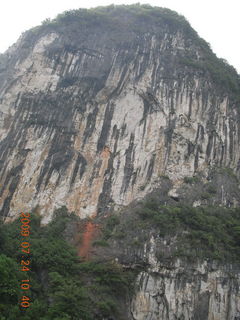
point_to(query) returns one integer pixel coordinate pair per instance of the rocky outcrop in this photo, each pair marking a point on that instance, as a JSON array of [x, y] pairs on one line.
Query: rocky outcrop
[[95, 124], [174, 278], [99, 109], [202, 292], [186, 290]]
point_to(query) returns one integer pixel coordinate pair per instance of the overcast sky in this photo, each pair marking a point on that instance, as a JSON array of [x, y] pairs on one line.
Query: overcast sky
[[217, 21]]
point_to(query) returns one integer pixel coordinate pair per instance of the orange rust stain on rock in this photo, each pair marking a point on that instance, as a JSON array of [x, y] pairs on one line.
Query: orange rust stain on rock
[[105, 152], [89, 234], [87, 196]]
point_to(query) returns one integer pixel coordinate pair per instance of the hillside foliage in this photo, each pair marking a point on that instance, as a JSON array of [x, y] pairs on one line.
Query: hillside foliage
[[62, 286], [123, 23]]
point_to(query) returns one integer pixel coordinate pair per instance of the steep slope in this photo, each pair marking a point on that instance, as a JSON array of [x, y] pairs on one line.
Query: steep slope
[[124, 115], [97, 106], [186, 260], [148, 262]]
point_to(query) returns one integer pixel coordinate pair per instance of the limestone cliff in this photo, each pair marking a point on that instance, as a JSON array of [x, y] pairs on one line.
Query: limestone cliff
[[96, 106], [100, 108], [199, 292], [182, 257]]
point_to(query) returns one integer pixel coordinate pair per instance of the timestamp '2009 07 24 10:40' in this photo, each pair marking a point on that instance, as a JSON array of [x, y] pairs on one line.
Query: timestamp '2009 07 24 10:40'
[[25, 259]]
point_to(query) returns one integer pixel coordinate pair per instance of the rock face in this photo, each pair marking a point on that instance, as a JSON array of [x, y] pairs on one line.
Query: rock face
[[92, 122], [180, 290], [169, 285], [97, 108], [182, 293]]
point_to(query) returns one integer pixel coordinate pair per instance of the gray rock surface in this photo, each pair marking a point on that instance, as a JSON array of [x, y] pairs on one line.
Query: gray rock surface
[[96, 124], [97, 117]]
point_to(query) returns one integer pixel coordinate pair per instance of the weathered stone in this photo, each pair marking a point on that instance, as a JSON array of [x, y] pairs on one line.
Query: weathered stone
[[69, 104], [97, 117]]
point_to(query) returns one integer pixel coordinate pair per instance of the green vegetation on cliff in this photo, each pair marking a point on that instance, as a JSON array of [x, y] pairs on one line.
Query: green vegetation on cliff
[[62, 286], [202, 232], [123, 24], [211, 233]]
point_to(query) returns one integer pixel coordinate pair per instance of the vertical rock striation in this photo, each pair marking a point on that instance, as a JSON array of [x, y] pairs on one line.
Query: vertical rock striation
[[95, 109], [99, 108]]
